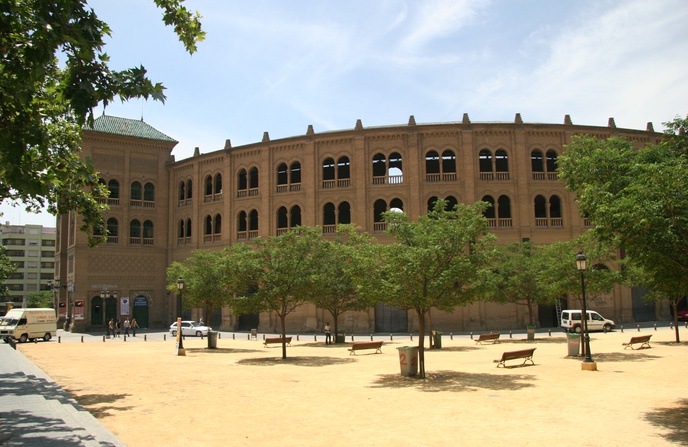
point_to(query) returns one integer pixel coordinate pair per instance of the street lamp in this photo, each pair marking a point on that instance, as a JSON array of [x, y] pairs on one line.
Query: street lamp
[[180, 337], [104, 294], [588, 363]]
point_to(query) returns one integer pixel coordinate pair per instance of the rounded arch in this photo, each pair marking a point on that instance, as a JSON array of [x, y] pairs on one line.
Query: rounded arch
[[217, 186], [136, 191], [344, 213], [485, 160], [329, 214], [328, 169], [208, 185], [282, 174], [343, 168], [379, 165], [501, 161], [490, 212], [448, 161], [113, 186], [536, 161], [149, 192], [217, 224], [242, 180], [432, 162]]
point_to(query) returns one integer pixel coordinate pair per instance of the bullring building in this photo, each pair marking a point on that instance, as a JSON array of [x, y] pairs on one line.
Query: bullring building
[[162, 209]]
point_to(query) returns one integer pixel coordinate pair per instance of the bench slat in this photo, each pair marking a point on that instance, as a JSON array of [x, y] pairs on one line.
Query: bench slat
[[525, 354]]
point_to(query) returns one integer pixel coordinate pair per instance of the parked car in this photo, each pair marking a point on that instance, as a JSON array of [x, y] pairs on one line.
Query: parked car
[[682, 315], [190, 328], [571, 321]]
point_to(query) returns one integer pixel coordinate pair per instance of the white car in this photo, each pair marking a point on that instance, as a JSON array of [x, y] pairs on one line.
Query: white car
[[190, 328], [571, 321]]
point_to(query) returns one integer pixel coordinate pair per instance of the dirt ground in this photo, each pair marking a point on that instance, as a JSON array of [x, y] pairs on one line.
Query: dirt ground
[[244, 394]]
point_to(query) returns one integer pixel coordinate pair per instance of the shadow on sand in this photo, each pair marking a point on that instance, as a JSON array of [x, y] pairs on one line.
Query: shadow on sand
[[673, 419], [456, 381], [296, 361]]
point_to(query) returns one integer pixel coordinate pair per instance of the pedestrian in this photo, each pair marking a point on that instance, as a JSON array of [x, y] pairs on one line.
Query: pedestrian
[[134, 326], [118, 326], [328, 334], [200, 321], [111, 328], [126, 327]]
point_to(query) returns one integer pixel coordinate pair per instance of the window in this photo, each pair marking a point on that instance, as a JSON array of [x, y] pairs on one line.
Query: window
[[136, 191], [149, 192], [113, 186], [112, 227]]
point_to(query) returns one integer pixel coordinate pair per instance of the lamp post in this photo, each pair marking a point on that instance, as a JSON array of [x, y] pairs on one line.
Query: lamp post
[[103, 296], [180, 338], [588, 363], [54, 285]]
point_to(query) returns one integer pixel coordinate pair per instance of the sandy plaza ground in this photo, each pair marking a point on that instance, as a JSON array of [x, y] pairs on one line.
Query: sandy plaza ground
[[244, 394]]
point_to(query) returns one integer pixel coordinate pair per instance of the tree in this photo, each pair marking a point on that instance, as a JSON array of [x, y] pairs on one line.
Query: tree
[[280, 274], [40, 299], [53, 73], [517, 277], [6, 267], [342, 263], [205, 283], [433, 263], [637, 199]]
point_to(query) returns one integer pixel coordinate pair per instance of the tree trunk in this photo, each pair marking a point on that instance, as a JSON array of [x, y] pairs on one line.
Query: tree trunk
[[676, 331], [283, 322], [421, 344]]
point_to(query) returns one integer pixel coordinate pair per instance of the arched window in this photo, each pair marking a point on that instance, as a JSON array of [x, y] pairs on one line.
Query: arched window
[[502, 164], [395, 173], [540, 211], [537, 165], [552, 164], [282, 174], [253, 223], [112, 228], [242, 223], [189, 189], [554, 207], [147, 232], [180, 232], [295, 173], [328, 172], [379, 207], [343, 169], [282, 219], [149, 192], [242, 180], [431, 203], [217, 224], [329, 216], [396, 203], [432, 166], [208, 185], [485, 162], [135, 232], [451, 203], [490, 213], [379, 169], [208, 227], [113, 186], [448, 162], [188, 228], [344, 213], [295, 216], [136, 191], [218, 184], [504, 208], [182, 190], [253, 178]]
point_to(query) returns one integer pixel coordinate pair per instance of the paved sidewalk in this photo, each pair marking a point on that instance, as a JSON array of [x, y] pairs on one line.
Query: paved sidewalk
[[35, 411]]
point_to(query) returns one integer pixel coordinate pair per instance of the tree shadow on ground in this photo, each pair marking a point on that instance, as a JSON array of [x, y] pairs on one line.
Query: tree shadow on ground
[[673, 419], [93, 403], [296, 361], [622, 356], [221, 351], [453, 349], [456, 381]]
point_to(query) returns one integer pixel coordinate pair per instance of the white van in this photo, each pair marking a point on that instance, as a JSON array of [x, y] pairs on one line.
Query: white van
[[571, 321], [28, 324]]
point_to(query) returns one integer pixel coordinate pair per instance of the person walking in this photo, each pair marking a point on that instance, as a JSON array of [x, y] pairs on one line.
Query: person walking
[[134, 326], [118, 326], [126, 327], [111, 328], [328, 334]]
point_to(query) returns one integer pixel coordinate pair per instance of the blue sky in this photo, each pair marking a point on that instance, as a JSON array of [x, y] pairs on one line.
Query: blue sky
[[278, 66]]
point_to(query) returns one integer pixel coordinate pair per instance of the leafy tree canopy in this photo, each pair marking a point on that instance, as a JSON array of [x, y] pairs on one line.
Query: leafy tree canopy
[[53, 73]]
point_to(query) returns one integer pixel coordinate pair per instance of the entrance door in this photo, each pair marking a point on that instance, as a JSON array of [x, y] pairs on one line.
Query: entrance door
[[390, 318], [248, 322], [141, 311], [96, 311]]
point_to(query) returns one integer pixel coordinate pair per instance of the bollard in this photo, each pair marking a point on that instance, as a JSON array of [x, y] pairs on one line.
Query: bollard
[[233, 336], [638, 326], [248, 336], [82, 339], [201, 336], [103, 339], [550, 332], [263, 337], [451, 336], [59, 339], [371, 337], [671, 326], [145, 337], [411, 335], [35, 340], [164, 337], [656, 326], [622, 329], [219, 335], [391, 338], [125, 338], [604, 329], [471, 335], [510, 335]]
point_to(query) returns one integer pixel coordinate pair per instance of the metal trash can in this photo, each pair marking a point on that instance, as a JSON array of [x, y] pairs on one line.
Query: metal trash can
[[340, 337], [437, 339], [573, 342], [531, 331], [212, 339], [408, 360]]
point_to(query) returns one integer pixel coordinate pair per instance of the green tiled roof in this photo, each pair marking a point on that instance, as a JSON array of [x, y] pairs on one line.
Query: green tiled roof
[[128, 127]]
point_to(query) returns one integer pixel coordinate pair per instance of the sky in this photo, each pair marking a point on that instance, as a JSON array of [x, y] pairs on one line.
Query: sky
[[276, 66]]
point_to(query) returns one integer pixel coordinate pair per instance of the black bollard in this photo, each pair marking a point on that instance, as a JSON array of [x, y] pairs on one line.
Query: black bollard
[[622, 329], [451, 336], [59, 339], [638, 326], [471, 335], [164, 337], [103, 339], [411, 335], [371, 337], [510, 335], [391, 338], [82, 339], [145, 337], [550, 332]]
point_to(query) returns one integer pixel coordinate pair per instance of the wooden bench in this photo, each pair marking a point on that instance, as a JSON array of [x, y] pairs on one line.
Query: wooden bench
[[377, 345], [274, 340], [525, 354], [493, 337], [644, 341]]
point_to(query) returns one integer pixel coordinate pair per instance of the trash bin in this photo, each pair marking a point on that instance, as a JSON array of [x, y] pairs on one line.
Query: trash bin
[[340, 336], [573, 341], [437, 339], [531, 332], [408, 360], [212, 339]]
